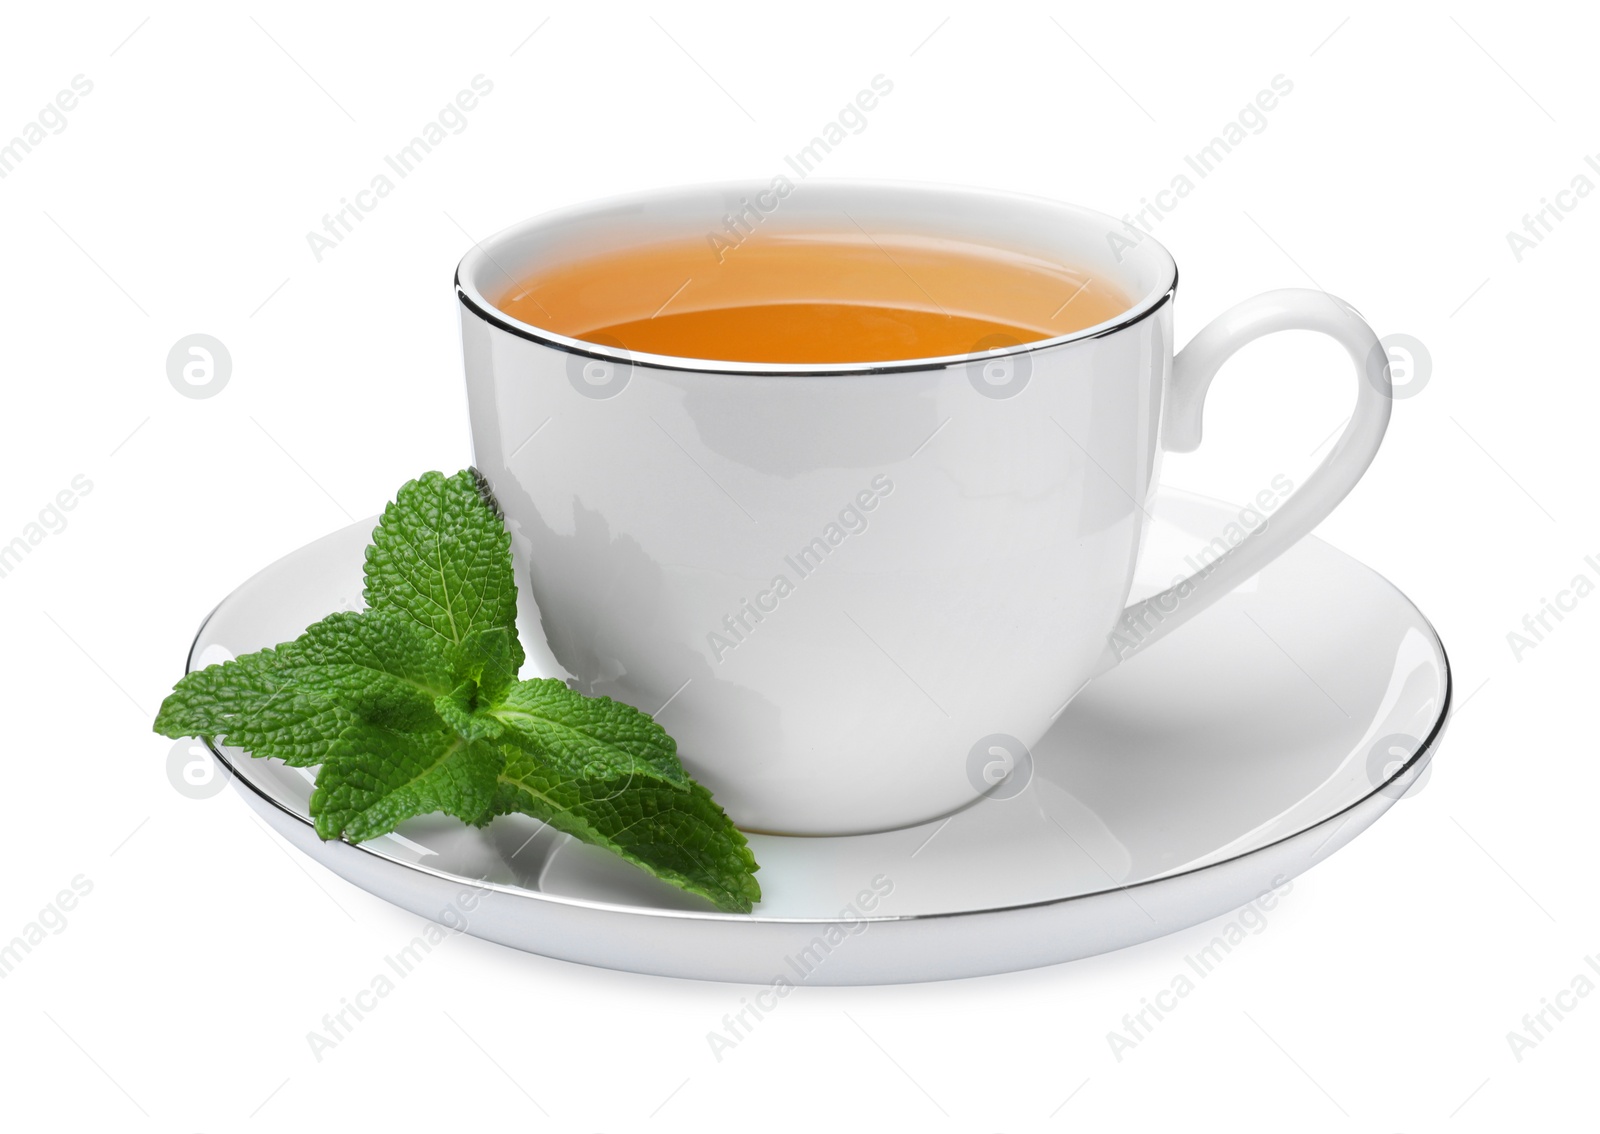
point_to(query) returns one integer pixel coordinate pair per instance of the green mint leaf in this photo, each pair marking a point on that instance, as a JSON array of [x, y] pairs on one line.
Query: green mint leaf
[[244, 703], [293, 701], [441, 556], [489, 659], [594, 737], [375, 778], [678, 835], [458, 709], [413, 707]]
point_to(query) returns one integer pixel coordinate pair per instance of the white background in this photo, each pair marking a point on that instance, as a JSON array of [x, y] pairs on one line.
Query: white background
[[177, 200]]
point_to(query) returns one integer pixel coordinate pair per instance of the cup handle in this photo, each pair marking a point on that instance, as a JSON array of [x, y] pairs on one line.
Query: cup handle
[[1292, 309]]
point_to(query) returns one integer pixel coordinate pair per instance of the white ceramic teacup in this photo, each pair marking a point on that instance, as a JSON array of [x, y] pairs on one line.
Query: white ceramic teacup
[[853, 593]]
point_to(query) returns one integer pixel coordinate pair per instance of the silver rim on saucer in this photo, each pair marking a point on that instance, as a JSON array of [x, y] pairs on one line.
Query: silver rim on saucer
[[554, 897]]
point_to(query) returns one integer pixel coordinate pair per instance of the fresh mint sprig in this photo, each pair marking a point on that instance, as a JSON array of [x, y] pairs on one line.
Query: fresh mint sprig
[[413, 706]]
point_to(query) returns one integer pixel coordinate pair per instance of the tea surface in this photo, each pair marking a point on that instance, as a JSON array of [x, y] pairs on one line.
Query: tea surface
[[808, 298]]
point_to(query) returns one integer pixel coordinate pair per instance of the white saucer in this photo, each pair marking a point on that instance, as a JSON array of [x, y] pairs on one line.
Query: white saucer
[[1244, 749]]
